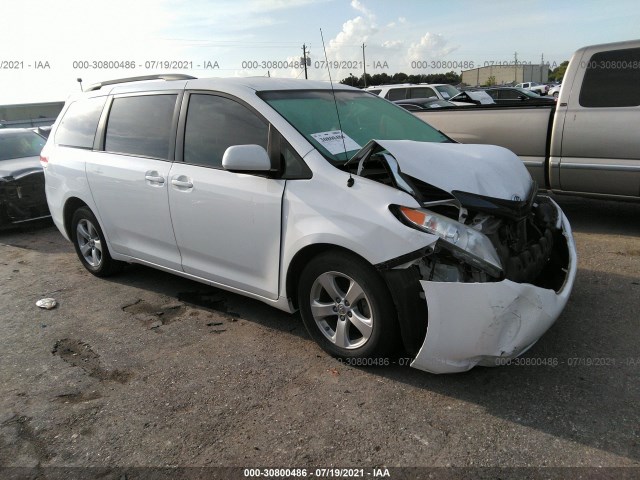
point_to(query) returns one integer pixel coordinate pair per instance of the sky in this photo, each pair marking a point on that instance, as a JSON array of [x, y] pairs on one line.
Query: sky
[[47, 45]]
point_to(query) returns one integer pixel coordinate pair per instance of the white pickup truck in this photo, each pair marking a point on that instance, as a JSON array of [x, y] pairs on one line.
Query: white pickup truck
[[587, 144], [539, 88]]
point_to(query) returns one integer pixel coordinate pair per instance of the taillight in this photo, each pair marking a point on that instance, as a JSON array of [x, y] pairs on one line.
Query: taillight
[[44, 161]]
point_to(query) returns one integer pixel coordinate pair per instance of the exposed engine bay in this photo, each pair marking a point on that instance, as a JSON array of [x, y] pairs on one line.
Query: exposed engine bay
[[523, 229]]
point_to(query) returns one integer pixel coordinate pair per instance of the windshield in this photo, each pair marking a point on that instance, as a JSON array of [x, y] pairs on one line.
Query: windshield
[[20, 144], [363, 117], [447, 91]]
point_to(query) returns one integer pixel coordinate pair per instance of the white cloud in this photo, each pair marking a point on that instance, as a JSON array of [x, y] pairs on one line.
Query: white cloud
[[431, 46], [357, 5], [392, 43], [356, 31], [270, 5]]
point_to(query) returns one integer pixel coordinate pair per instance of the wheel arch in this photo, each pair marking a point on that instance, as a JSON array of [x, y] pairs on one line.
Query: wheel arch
[[71, 205], [403, 287], [301, 258]]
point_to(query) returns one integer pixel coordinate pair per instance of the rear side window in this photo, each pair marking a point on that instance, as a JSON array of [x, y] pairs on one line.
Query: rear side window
[[396, 94], [215, 124], [612, 79], [422, 92], [510, 94], [141, 125], [80, 122]]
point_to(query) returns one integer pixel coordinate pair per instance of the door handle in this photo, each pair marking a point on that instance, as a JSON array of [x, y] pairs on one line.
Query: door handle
[[182, 183], [154, 177]]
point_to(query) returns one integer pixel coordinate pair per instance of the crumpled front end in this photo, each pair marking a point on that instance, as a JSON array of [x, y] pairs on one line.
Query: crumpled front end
[[485, 323], [502, 260], [22, 198]]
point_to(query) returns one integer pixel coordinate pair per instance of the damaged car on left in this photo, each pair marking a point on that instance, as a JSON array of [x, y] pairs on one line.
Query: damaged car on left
[[22, 196]]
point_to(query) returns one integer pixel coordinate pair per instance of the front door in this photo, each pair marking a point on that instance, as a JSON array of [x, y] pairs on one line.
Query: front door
[[227, 225]]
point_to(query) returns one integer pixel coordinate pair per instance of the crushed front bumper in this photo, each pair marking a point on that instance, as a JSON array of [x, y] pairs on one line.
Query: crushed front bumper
[[473, 324]]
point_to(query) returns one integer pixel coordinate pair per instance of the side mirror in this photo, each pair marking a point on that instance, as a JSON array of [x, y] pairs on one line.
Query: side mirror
[[246, 158]]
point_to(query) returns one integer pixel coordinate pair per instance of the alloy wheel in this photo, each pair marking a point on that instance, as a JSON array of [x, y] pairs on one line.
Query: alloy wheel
[[341, 309], [89, 243]]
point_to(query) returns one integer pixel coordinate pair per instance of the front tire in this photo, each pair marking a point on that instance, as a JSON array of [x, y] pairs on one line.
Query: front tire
[[90, 244], [346, 307]]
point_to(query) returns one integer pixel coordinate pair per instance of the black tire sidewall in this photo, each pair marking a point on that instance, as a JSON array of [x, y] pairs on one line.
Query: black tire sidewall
[[384, 335]]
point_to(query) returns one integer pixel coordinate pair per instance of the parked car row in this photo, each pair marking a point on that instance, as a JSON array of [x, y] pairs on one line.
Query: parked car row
[[407, 95], [516, 96], [403, 91], [539, 88]]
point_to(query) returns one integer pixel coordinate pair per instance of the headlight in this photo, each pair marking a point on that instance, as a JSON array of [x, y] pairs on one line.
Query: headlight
[[466, 242]]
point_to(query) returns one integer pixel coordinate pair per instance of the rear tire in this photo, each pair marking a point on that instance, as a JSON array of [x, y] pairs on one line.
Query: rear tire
[[90, 244], [347, 308]]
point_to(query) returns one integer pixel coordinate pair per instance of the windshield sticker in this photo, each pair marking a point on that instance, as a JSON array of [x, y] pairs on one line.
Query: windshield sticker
[[332, 141]]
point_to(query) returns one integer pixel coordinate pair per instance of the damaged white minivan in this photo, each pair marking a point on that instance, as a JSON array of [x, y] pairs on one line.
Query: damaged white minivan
[[381, 230]]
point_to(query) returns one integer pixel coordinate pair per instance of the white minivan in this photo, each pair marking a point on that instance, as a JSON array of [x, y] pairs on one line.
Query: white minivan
[[382, 231]]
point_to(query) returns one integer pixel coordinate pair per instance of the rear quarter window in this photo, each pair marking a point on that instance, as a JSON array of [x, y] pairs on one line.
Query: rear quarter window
[[612, 79], [79, 123]]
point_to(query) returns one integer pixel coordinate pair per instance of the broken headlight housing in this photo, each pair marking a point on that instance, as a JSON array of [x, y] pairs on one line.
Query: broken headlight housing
[[464, 243]]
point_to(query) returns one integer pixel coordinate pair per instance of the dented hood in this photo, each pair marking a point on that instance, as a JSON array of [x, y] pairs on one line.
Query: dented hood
[[485, 170], [16, 168]]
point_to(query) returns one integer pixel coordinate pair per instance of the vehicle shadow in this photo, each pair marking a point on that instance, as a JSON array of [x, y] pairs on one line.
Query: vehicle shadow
[[30, 236], [590, 215]]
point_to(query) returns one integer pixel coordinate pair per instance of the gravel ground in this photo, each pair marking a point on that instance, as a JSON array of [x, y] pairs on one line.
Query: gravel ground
[[146, 369]]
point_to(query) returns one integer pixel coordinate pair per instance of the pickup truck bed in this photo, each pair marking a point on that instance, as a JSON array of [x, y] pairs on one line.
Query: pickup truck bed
[[588, 143]]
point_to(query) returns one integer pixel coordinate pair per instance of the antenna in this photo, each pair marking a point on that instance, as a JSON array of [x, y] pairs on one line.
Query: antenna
[[351, 181]]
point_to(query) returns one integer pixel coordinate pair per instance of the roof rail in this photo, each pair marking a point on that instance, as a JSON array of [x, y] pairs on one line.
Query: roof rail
[[162, 76]]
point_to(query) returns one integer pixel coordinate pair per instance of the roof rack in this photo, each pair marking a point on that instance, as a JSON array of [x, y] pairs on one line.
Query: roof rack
[[162, 76]]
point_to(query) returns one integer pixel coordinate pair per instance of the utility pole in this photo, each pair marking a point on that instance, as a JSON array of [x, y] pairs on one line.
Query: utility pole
[[364, 66], [541, 68], [304, 60], [515, 68]]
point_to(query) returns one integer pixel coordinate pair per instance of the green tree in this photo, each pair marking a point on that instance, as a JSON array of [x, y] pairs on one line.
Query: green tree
[[451, 78], [400, 77], [491, 81], [557, 74]]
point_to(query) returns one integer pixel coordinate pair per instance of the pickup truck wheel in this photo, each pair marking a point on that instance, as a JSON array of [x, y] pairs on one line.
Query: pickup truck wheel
[[90, 244], [346, 307], [555, 95]]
